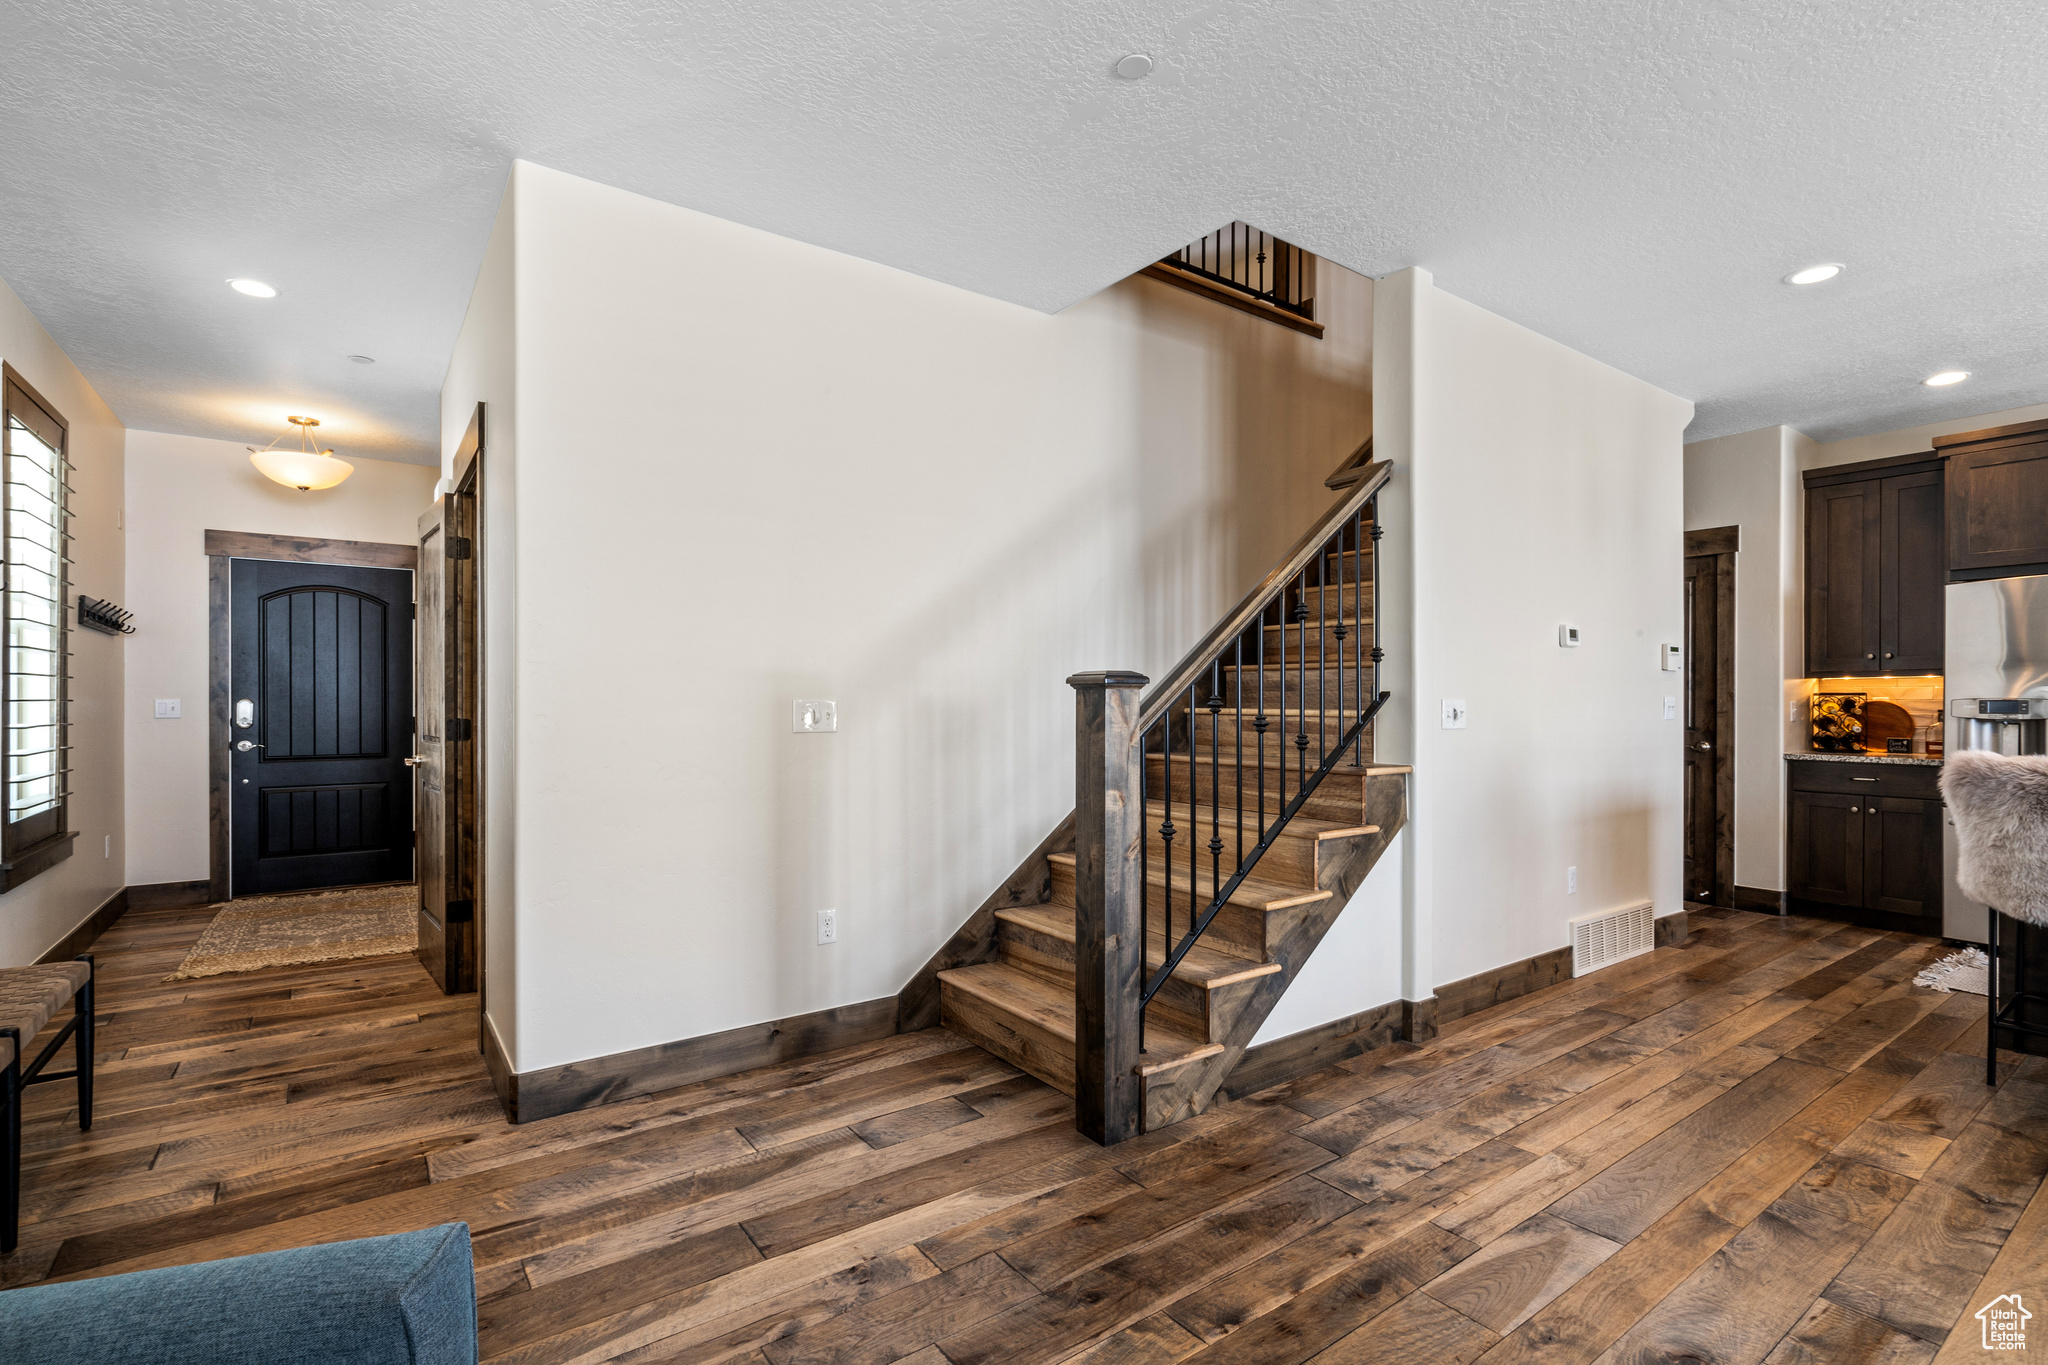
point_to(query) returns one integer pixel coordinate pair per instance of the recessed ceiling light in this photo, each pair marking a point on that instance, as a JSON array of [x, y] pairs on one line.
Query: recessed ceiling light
[[364, 359], [1815, 274], [1137, 66], [1945, 378], [255, 289]]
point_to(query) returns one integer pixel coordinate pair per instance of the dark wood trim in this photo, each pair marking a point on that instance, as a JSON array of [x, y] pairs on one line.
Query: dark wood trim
[[503, 1079], [1996, 571], [1671, 929], [622, 1075], [10, 375], [167, 895], [1418, 1020], [219, 857], [472, 632], [1483, 990], [1718, 540], [1990, 433], [1230, 298], [1828, 475], [370, 554], [1283, 1059], [37, 858], [1756, 898], [87, 931], [917, 1004]]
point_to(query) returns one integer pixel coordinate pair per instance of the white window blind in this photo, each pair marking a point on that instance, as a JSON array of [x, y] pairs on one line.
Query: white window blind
[[37, 765]]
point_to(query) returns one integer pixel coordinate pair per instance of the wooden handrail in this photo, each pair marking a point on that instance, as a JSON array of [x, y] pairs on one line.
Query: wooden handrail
[[1203, 655]]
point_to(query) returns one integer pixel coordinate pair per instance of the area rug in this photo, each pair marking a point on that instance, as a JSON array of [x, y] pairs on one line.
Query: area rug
[[286, 931], [1967, 971]]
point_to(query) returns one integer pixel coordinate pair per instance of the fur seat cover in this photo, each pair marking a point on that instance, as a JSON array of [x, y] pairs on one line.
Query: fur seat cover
[[2000, 806]]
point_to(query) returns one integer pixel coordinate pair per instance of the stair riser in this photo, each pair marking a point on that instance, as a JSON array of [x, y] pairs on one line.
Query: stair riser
[[1180, 1005], [1341, 797], [1237, 928], [1309, 636], [1304, 689], [1013, 1038], [1291, 860], [1280, 746]]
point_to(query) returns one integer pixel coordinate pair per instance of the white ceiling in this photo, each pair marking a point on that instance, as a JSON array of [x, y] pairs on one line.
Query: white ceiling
[[1629, 178]]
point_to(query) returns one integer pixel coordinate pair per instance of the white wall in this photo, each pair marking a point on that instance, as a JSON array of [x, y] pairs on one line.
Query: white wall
[[34, 916], [179, 487], [482, 369], [1752, 481], [751, 470], [1541, 488], [1912, 440]]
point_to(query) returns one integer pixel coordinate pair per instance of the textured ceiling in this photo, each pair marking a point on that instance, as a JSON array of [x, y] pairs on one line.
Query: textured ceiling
[[1631, 179]]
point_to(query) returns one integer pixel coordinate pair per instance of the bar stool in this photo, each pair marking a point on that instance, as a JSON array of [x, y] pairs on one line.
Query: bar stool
[[29, 998], [2000, 808]]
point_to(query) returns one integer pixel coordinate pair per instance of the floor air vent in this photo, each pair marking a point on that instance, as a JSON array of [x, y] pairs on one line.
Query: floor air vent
[[1604, 939]]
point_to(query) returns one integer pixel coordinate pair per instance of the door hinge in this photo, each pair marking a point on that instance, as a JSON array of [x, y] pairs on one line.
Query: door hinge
[[458, 547], [460, 912], [456, 729]]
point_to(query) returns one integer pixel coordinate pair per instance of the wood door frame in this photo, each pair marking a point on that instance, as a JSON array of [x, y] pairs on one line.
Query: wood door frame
[[222, 549], [467, 481], [1721, 543]]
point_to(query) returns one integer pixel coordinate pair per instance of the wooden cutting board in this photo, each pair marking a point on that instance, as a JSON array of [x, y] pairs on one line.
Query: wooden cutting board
[[1883, 720]]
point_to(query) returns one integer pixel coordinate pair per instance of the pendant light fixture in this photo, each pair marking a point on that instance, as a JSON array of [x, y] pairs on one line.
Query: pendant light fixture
[[305, 469]]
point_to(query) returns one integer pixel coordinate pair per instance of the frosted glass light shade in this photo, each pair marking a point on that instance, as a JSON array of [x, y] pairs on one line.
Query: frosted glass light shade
[[303, 470]]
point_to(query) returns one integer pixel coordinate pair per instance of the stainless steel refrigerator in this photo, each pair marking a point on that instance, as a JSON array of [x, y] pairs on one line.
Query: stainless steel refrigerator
[[1995, 689]]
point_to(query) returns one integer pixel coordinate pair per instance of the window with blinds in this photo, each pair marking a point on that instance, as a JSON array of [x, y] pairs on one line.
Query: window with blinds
[[36, 742]]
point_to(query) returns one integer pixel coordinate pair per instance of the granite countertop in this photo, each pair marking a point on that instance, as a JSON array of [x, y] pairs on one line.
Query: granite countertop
[[1917, 760]]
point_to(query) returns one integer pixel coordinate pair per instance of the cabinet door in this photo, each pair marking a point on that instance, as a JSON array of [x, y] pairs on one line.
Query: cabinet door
[[1902, 856], [1842, 579], [1827, 847], [1912, 569], [1998, 504]]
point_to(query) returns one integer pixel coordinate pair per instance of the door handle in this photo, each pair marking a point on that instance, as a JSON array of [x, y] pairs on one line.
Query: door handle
[[1704, 744], [1863, 779], [243, 746], [414, 760]]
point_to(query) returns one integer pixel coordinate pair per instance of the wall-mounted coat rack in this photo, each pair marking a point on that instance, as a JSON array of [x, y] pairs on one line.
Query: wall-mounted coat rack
[[104, 616]]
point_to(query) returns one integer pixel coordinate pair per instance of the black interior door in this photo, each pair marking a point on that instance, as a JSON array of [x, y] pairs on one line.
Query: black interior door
[[1703, 818], [321, 724]]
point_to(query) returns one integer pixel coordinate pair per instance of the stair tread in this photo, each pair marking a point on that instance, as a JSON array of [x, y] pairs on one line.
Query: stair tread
[[1252, 891], [1301, 826], [1052, 1009], [1203, 966], [1227, 758]]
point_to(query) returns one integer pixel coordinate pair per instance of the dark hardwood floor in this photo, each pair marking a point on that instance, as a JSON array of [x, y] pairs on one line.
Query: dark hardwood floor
[[1762, 1145]]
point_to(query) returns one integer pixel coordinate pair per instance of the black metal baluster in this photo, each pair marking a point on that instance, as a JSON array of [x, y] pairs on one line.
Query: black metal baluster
[[1215, 781], [1145, 863], [1238, 673], [1378, 654], [1322, 654], [1301, 678], [1259, 725], [1194, 815], [1166, 834]]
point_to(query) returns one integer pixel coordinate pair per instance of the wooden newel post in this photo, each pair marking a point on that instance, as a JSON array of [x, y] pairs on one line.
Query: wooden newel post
[[1109, 939]]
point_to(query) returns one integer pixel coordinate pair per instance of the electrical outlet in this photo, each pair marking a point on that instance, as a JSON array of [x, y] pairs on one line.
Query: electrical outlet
[[1671, 708], [1454, 713], [1795, 710], [828, 926], [813, 717], [170, 708], [1571, 881]]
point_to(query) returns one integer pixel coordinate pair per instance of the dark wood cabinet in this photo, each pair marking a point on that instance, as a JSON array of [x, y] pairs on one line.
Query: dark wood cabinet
[[1875, 568], [1865, 842], [1997, 499]]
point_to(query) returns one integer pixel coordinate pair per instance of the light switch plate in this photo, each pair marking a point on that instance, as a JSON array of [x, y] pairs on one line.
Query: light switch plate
[[1454, 713], [170, 708], [813, 717], [1671, 708]]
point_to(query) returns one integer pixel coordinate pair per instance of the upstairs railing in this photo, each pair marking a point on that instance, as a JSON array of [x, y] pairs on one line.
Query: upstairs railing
[[1178, 798], [1256, 264]]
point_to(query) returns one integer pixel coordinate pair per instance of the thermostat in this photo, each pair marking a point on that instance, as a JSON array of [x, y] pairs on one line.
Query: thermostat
[[1568, 637], [1673, 656]]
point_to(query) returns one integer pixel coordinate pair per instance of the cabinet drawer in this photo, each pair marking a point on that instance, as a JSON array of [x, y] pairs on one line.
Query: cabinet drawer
[[1867, 779]]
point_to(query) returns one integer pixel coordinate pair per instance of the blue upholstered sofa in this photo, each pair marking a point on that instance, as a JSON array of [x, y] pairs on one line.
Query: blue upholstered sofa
[[407, 1299]]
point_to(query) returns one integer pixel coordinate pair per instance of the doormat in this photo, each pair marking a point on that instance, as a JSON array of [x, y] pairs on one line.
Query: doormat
[[1967, 971], [287, 931]]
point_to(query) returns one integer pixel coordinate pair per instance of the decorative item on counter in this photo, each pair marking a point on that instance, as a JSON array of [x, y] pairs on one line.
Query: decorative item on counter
[[1838, 722], [1895, 745], [1885, 721]]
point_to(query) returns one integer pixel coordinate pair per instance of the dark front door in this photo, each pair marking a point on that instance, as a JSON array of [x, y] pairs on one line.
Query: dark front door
[[1709, 854], [320, 720]]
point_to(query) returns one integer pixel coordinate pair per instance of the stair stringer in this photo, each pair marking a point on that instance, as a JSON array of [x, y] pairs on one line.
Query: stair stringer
[[1192, 1088]]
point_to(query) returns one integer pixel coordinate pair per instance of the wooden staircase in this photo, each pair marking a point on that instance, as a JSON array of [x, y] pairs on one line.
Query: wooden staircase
[[1218, 785]]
